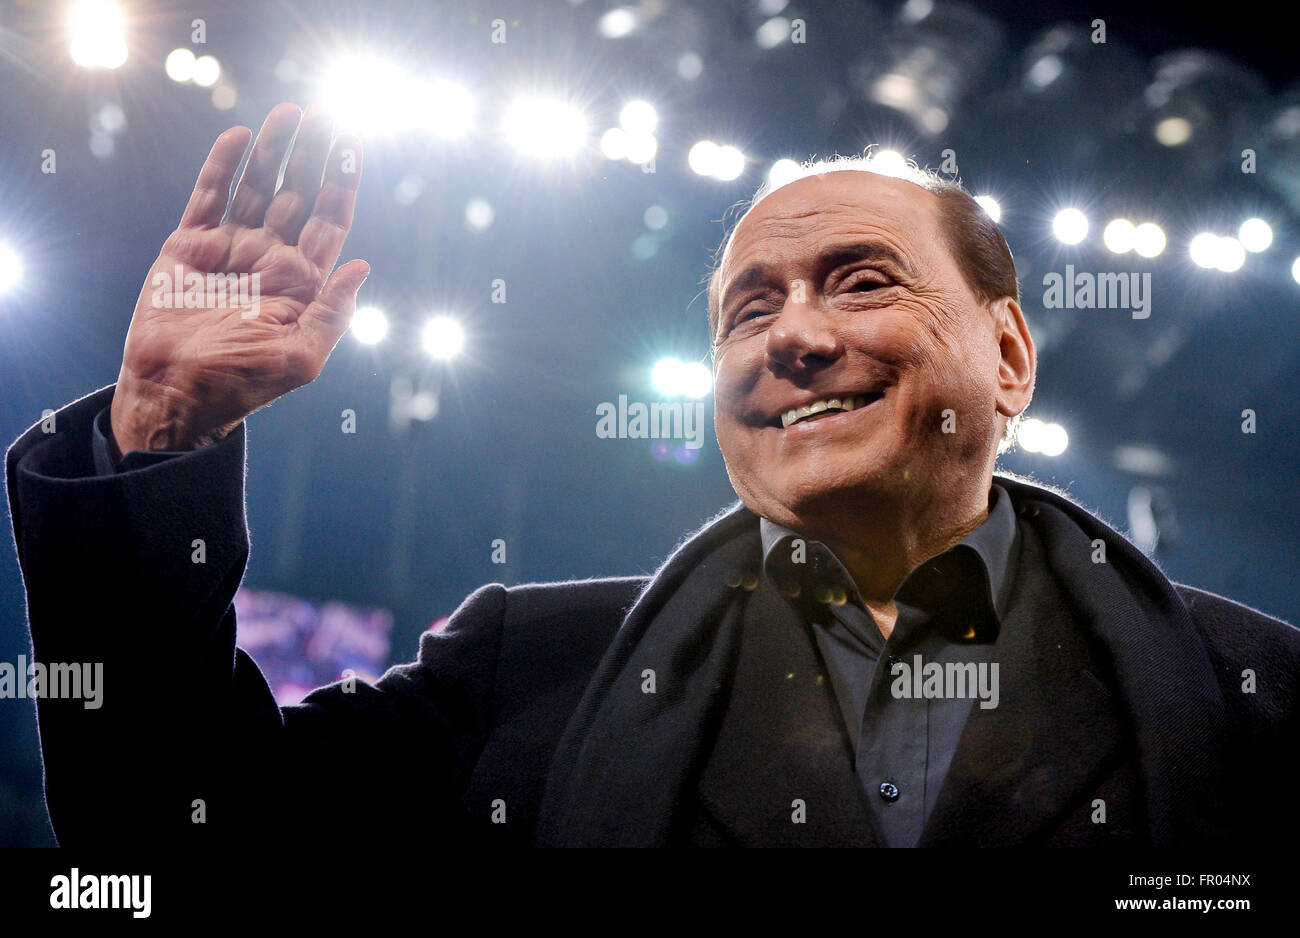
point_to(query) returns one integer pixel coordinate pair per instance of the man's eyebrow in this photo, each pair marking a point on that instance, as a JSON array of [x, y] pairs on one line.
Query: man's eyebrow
[[865, 251], [751, 276], [837, 256]]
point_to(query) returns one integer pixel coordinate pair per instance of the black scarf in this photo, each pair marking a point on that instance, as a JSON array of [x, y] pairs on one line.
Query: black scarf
[[628, 760]]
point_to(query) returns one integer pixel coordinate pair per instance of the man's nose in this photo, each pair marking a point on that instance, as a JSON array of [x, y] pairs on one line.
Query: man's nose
[[802, 338]]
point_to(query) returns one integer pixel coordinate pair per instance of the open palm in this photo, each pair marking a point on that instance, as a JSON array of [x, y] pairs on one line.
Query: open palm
[[240, 306]]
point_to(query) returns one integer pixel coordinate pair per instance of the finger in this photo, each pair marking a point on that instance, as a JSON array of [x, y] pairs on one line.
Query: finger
[[292, 204], [256, 186], [323, 235], [328, 317], [212, 190]]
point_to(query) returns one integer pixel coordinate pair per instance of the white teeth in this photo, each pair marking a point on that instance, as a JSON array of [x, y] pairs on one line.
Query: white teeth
[[796, 414]]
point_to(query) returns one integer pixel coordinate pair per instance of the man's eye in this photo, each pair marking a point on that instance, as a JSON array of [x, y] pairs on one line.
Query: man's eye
[[866, 285]]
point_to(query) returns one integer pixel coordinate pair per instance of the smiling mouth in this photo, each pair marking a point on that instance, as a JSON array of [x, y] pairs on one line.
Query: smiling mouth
[[826, 407]]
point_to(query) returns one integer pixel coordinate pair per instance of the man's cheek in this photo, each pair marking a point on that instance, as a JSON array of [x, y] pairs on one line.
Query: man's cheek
[[731, 397]]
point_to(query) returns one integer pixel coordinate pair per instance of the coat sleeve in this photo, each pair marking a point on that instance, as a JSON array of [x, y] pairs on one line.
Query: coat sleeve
[[1256, 659], [183, 743]]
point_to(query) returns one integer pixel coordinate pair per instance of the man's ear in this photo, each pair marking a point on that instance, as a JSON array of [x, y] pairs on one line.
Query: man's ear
[[1018, 365]]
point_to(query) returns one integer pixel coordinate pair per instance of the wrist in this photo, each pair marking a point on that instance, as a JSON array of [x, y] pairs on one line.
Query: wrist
[[156, 418]]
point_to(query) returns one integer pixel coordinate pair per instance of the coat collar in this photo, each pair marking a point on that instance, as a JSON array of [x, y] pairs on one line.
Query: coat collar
[[630, 761]]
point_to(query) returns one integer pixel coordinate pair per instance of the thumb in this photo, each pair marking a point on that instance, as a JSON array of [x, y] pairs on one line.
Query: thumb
[[330, 314]]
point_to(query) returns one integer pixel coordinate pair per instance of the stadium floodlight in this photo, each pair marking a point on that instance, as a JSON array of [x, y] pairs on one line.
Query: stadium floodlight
[[545, 128], [179, 65], [11, 268], [443, 337], [1119, 236], [369, 325], [992, 208], [1149, 239], [97, 34], [1070, 226], [1255, 235]]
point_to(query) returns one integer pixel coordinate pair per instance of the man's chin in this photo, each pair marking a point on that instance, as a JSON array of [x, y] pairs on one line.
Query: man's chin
[[825, 496]]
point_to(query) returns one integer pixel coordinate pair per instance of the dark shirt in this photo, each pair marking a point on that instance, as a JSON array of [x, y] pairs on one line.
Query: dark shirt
[[950, 610]]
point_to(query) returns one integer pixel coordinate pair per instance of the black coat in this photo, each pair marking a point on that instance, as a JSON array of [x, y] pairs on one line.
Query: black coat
[[525, 720]]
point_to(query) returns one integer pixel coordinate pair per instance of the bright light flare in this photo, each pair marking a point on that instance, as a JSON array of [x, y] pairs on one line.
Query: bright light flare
[[614, 143], [665, 376], [367, 94], [372, 95], [639, 117], [641, 148], [991, 207], [1231, 255], [772, 33], [179, 65], [545, 128], [97, 34], [889, 163], [1119, 236], [695, 380], [206, 71], [1213, 252], [443, 337], [479, 214], [444, 108], [702, 157], [782, 172], [1037, 436], [369, 325], [1149, 239], [1255, 235], [1070, 226], [725, 163], [1173, 131], [672, 377], [1204, 249], [728, 163], [11, 268], [618, 22]]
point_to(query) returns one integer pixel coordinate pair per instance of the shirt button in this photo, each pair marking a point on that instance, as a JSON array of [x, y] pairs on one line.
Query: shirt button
[[889, 792]]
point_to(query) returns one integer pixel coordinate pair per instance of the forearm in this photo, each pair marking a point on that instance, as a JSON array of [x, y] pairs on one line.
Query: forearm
[[136, 571], [133, 575]]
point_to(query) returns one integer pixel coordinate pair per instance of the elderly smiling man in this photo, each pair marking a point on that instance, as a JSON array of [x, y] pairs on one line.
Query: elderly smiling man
[[882, 643]]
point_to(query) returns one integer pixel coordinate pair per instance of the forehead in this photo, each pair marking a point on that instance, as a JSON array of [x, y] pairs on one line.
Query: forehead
[[811, 213]]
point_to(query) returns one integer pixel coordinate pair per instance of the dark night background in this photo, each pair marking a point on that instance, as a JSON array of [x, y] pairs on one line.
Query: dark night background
[[513, 454]]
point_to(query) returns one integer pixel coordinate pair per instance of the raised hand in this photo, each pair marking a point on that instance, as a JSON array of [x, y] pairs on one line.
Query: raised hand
[[205, 349]]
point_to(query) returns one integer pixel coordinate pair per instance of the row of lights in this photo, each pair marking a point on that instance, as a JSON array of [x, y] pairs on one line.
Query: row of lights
[[368, 93], [442, 338], [1038, 436], [1207, 249], [182, 66], [1071, 225], [371, 95]]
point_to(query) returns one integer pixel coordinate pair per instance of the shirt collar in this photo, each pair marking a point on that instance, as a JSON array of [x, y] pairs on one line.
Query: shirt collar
[[986, 555]]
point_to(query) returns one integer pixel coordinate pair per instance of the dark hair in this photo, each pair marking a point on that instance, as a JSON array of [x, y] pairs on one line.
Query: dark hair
[[977, 244]]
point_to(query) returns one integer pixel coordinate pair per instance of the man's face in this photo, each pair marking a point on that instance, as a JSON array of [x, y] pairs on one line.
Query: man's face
[[843, 286]]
